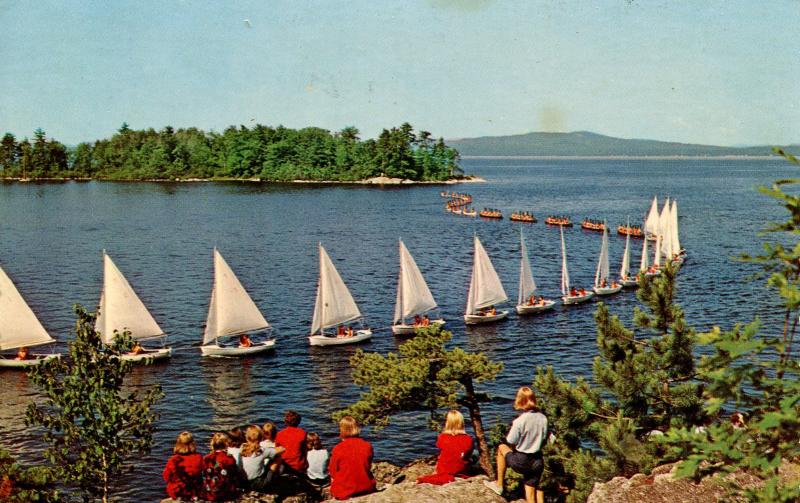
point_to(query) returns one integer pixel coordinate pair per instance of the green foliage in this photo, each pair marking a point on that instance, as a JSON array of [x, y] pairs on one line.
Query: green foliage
[[93, 423], [422, 376], [758, 374], [261, 152], [643, 383], [20, 484]]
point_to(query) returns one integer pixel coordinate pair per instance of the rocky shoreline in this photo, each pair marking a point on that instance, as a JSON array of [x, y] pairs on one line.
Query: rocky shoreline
[[377, 180]]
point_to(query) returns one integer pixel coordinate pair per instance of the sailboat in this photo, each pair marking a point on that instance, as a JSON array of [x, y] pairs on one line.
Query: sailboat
[[567, 293], [485, 290], [19, 327], [527, 286], [231, 313], [665, 233], [651, 222], [603, 273], [121, 309], [678, 253], [414, 298], [334, 306], [625, 269]]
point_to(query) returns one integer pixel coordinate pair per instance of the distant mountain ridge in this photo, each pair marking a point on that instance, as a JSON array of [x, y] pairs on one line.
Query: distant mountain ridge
[[586, 143]]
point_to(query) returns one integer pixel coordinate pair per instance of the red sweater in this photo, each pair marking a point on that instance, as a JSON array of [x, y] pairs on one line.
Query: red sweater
[[350, 468], [453, 458], [293, 439], [184, 476]]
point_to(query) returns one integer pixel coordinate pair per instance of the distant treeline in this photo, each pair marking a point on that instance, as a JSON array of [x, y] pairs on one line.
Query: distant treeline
[[263, 152]]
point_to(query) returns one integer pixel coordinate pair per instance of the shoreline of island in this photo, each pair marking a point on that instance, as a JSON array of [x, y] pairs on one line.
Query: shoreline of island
[[377, 180], [631, 157]]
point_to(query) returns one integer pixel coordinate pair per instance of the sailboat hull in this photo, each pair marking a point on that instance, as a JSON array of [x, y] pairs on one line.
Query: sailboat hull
[[23, 364], [148, 355], [609, 290], [215, 350], [477, 319], [628, 283], [526, 309], [577, 299], [401, 329], [324, 340]]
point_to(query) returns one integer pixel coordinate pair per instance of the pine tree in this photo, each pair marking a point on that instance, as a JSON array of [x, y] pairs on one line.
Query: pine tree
[[643, 383], [423, 376], [756, 373], [93, 423]]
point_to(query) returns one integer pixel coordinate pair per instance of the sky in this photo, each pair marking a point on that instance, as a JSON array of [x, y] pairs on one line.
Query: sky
[[714, 72]]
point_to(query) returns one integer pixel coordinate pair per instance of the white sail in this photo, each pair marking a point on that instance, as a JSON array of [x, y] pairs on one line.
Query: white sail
[[625, 269], [657, 255], [603, 269], [564, 271], [335, 304], [527, 286], [121, 309], [676, 243], [485, 288], [18, 324], [665, 232], [413, 295], [651, 222], [231, 310], [645, 263]]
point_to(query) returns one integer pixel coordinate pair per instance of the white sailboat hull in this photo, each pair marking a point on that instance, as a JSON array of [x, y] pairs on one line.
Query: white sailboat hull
[[570, 300], [630, 282], [526, 309], [215, 350], [148, 355], [332, 340], [477, 319], [22, 364], [401, 329], [608, 290]]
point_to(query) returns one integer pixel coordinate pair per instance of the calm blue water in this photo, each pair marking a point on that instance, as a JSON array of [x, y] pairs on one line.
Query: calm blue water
[[161, 236]]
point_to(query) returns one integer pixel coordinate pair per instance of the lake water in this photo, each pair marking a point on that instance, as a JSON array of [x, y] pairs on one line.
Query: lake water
[[161, 236]]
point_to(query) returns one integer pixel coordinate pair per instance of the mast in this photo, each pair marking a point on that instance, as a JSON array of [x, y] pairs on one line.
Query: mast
[[527, 286], [676, 243], [564, 271], [644, 264], [603, 270], [624, 270]]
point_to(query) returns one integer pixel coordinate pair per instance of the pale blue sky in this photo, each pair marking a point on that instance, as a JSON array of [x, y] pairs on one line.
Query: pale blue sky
[[721, 72]]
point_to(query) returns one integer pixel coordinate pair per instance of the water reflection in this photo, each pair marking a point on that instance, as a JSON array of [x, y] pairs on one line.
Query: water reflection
[[229, 391]]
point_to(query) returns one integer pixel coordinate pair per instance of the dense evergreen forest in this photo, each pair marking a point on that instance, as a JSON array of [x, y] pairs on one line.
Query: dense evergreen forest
[[260, 152]]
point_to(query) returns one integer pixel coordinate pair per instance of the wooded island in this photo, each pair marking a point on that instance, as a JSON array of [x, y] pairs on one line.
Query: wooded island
[[261, 152]]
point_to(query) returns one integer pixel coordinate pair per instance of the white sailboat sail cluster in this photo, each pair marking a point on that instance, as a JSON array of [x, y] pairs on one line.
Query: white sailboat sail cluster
[[120, 309], [663, 228], [485, 289], [231, 313], [334, 307], [19, 326], [414, 298]]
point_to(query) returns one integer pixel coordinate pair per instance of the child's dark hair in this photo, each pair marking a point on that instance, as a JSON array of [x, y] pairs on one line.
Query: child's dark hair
[[313, 441], [236, 437], [291, 418]]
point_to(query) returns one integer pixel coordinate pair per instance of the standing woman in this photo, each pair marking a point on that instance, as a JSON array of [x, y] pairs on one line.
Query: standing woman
[[184, 471], [523, 453], [455, 448], [351, 462]]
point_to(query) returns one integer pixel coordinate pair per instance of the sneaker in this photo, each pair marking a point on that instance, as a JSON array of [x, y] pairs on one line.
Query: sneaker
[[491, 484]]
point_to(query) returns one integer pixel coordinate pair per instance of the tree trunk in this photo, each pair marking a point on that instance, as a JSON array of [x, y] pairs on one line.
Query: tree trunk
[[484, 457], [105, 480]]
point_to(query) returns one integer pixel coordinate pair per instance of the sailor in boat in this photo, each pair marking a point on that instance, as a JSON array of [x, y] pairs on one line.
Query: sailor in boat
[[583, 292], [244, 341], [137, 349], [573, 292], [426, 321], [417, 321], [604, 284], [542, 302], [532, 300], [23, 354]]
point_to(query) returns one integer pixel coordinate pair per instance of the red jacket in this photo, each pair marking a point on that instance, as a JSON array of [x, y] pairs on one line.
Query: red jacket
[[220, 477], [184, 476], [293, 439], [350, 468], [453, 459]]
